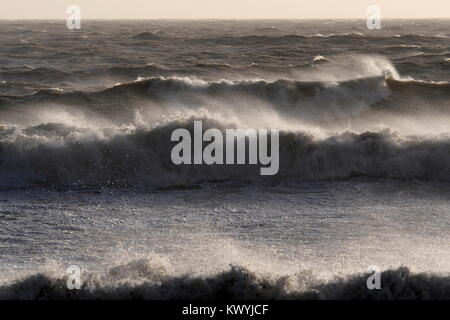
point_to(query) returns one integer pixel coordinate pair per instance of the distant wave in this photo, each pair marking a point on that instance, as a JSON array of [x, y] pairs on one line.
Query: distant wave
[[402, 47], [339, 37], [147, 36], [126, 73], [36, 74], [143, 279], [320, 59]]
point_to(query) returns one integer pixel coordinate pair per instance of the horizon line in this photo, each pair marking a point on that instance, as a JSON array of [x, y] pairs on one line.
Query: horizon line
[[209, 19]]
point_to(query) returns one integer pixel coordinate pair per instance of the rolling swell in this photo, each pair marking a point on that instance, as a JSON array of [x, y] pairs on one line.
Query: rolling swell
[[349, 37], [308, 100]]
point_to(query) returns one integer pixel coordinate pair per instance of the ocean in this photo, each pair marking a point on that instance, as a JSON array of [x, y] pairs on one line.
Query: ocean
[[86, 176]]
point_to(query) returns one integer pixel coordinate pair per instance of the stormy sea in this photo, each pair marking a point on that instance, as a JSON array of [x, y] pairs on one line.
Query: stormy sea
[[86, 176]]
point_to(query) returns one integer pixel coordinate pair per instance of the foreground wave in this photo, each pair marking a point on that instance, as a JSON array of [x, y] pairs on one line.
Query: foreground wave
[[142, 279]]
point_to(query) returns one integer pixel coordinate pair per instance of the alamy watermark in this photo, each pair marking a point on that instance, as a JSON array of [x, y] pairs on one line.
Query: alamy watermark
[[234, 140], [374, 280], [74, 277], [373, 17], [73, 21]]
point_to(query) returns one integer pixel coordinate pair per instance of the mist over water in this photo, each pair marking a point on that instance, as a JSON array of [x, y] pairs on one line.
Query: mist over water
[[86, 176]]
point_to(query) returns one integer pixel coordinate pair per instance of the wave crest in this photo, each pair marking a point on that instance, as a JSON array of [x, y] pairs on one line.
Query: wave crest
[[58, 155]]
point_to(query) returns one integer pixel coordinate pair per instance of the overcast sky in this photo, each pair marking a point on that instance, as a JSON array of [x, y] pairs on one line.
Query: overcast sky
[[222, 9]]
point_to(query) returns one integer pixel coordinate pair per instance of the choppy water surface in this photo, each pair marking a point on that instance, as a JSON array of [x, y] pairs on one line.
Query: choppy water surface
[[86, 177]]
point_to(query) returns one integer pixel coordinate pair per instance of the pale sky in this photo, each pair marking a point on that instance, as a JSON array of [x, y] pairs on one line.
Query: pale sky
[[222, 9]]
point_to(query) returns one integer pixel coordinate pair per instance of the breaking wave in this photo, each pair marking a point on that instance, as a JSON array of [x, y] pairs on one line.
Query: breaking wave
[[120, 136], [145, 279], [314, 102], [53, 154]]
